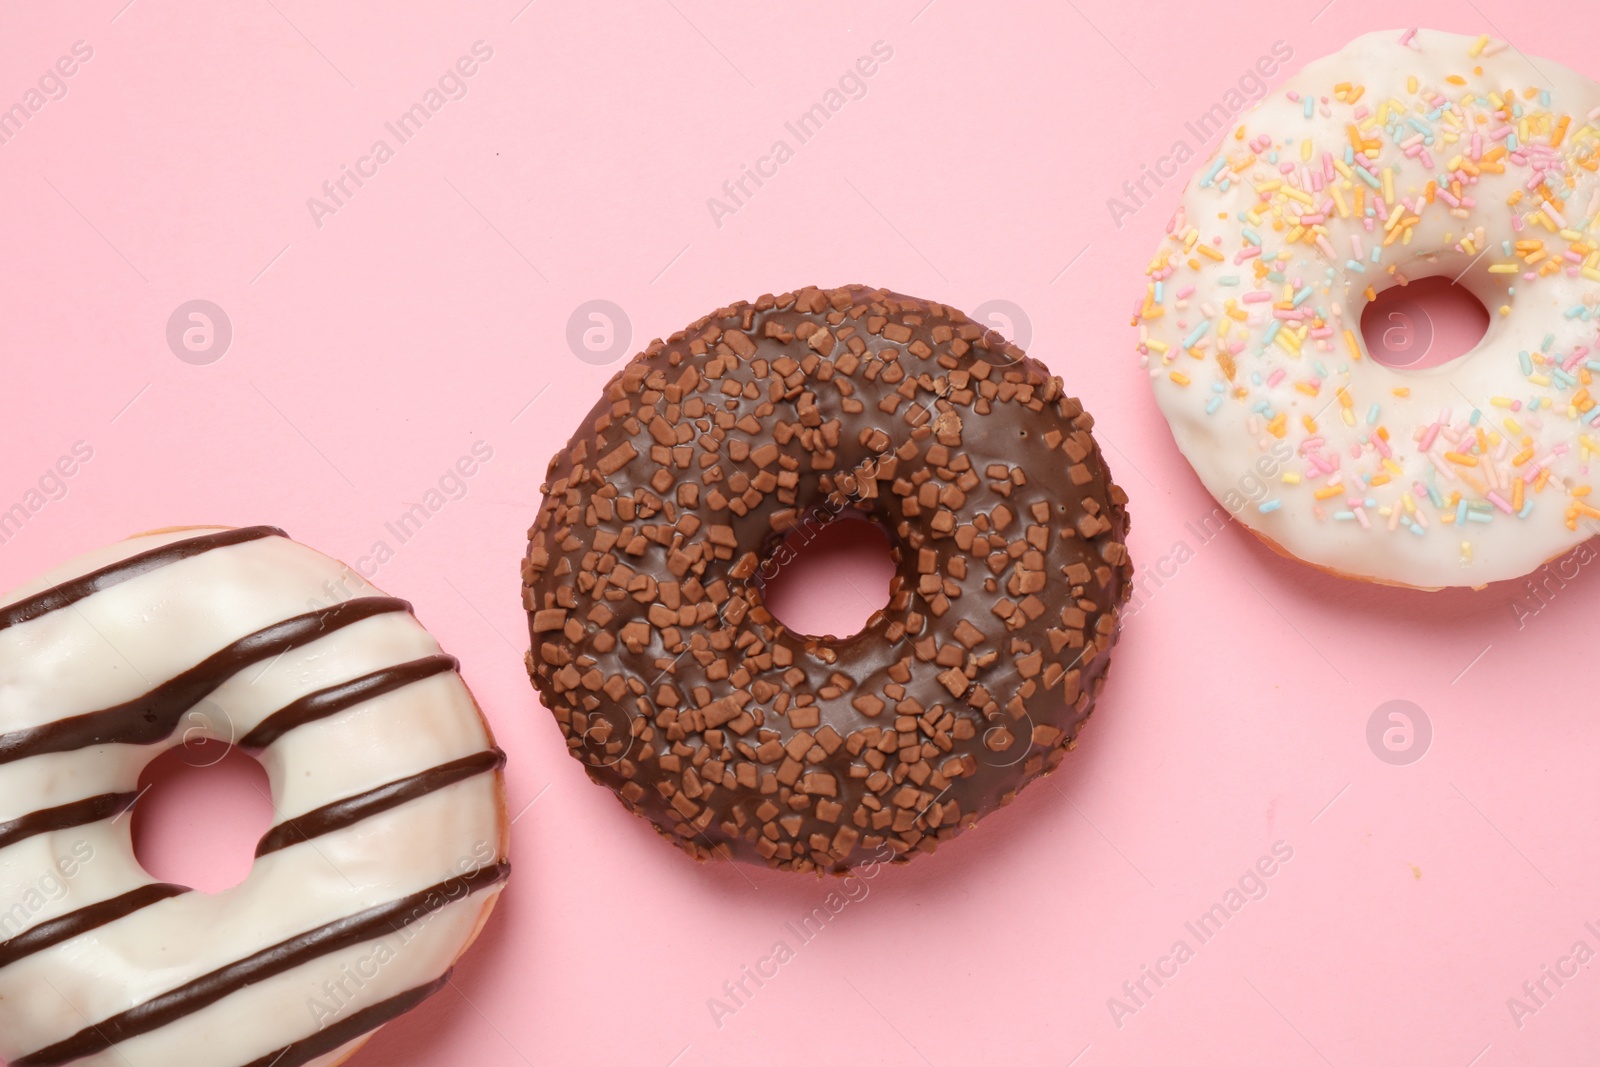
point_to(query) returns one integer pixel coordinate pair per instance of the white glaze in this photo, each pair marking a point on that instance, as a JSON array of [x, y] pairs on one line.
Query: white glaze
[[119, 643], [1231, 446]]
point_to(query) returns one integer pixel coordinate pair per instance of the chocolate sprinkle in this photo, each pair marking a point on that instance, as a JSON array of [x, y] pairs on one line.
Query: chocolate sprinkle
[[737, 737]]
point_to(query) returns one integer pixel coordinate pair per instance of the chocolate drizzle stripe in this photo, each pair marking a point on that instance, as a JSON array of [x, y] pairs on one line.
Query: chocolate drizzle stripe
[[362, 1022], [357, 929], [78, 813], [331, 701], [345, 813], [67, 593], [152, 717], [83, 920]]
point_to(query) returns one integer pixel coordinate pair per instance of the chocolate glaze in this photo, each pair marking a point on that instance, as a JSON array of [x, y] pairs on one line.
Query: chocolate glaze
[[334, 699], [732, 734], [330, 1038], [77, 813], [351, 810], [151, 718], [91, 917], [343, 933], [68, 593]]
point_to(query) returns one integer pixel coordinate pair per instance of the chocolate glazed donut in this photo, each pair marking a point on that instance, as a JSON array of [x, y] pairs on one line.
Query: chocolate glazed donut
[[737, 737]]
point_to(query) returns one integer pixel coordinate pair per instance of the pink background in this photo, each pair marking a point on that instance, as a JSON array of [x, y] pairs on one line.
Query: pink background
[[430, 312]]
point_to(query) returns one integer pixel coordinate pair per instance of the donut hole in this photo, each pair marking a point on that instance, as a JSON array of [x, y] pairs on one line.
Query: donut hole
[[828, 580], [1424, 324], [202, 808]]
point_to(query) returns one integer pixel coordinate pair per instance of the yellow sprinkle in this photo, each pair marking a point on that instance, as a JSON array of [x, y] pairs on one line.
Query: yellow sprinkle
[[1478, 46], [1212, 253], [1179, 377], [1291, 478], [1465, 461], [1503, 268]]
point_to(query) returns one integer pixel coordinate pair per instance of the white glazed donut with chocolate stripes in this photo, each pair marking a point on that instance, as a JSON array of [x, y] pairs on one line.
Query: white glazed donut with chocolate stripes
[[389, 839]]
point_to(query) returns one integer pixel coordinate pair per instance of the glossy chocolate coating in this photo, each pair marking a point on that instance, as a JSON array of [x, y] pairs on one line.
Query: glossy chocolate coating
[[736, 736]]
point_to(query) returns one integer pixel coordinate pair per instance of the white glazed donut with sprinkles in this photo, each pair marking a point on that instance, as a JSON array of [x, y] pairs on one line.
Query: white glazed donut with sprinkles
[[389, 839], [1409, 154]]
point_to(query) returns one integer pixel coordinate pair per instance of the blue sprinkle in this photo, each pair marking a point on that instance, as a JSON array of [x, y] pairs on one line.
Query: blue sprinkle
[[1527, 509], [1228, 279], [1461, 512], [1344, 516], [1198, 332], [1272, 332], [1527, 363], [1367, 176], [1213, 404], [1478, 516], [1372, 415], [1307, 105], [1359, 268], [1302, 296], [1271, 505], [1251, 236], [1212, 173]]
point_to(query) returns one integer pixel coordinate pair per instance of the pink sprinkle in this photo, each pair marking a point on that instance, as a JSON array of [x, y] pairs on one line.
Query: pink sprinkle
[[1186, 292], [1382, 446], [1275, 377], [1247, 253], [1428, 437], [1499, 502], [1405, 38]]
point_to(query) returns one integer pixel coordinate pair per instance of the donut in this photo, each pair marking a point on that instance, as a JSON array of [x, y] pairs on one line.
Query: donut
[[389, 841], [684, 490], [1407, 155]]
